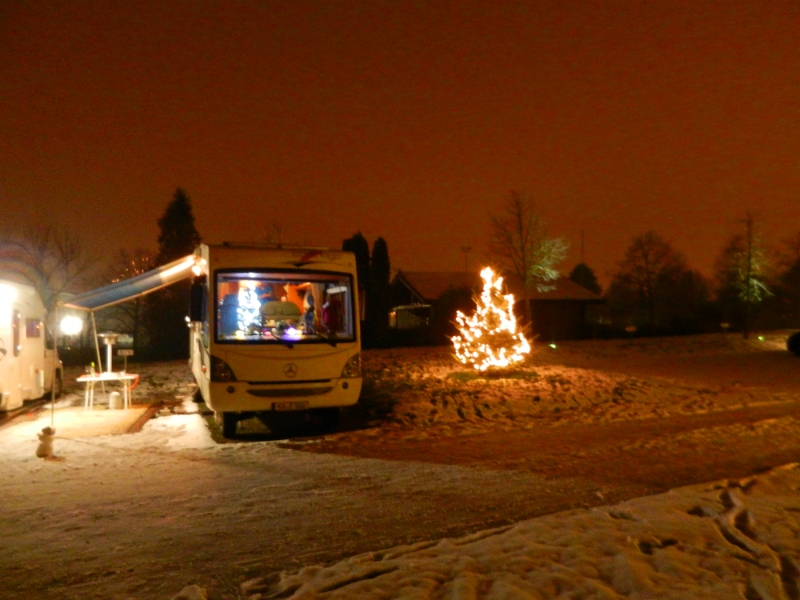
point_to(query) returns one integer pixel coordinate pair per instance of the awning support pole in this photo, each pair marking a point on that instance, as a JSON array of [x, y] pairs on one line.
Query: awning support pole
[[97, 348], [53, 355]]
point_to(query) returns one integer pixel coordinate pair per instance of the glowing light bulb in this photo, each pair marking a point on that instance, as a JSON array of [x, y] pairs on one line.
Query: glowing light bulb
[[71, 325]]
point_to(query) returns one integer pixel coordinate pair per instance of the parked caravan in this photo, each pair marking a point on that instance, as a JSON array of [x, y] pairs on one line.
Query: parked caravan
[[29, 362], [274, 330]]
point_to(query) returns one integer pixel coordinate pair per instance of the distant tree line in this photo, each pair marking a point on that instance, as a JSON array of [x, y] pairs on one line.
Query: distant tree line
[[653, 289]]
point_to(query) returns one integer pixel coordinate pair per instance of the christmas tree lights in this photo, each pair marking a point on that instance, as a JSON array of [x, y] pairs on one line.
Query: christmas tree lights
[[249, 311], [489, 338]]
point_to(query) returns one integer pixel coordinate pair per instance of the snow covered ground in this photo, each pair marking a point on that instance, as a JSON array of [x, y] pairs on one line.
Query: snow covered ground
[[590, 381], [728, 539], [168, 512]]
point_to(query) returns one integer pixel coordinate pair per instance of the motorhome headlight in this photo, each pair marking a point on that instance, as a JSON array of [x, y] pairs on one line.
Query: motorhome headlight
[[220, 371], [353, 366]]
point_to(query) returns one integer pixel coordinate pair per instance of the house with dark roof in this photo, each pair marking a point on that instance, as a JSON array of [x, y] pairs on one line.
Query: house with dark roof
[[424, 305], [425, 287], [559, 313]]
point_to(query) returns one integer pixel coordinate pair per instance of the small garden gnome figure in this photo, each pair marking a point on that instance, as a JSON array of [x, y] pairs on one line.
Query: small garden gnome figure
[[45, 449]]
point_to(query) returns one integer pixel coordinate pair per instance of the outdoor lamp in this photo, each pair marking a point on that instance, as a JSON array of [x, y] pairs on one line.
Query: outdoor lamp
[[71, 325]]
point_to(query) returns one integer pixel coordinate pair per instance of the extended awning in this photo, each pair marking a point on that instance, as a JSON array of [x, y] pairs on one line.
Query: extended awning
[[134, 287]]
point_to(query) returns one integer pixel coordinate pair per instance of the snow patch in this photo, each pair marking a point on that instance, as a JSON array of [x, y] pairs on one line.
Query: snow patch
[[719, 540]]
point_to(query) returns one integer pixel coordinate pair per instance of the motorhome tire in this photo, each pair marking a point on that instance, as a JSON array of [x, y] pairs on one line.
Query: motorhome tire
[[197, 397], [229, 422], [793, 343]]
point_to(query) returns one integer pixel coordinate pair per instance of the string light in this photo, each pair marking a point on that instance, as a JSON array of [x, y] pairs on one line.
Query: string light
[[489, 338], [249, 311]]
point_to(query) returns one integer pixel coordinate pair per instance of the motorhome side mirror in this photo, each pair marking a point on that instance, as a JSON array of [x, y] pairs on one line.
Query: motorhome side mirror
[[197, 302]]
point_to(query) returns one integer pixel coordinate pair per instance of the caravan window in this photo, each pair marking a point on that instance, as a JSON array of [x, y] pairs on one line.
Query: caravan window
[[279, 307], [33, 328]]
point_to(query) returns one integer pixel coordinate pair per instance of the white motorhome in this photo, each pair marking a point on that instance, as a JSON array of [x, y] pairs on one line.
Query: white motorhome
[[28, 358], [274, 329]]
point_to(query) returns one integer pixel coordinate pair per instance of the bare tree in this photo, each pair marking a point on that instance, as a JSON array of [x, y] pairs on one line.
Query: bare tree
[[650, 267], [519, 241], [128, 316], [48, 257], [744, 268]]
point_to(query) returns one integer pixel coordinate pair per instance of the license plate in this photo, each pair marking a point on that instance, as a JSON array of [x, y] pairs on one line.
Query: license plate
[[297, 405]]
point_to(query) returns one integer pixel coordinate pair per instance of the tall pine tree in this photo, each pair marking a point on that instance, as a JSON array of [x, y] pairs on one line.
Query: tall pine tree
[[357, 244], [178, 236], [167, 309], [380, 295], [583, 275]]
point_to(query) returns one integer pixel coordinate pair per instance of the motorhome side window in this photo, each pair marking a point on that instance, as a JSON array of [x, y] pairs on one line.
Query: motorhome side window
[[281, 307]]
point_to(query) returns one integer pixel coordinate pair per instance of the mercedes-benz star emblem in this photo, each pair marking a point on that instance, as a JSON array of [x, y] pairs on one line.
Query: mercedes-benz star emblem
[[290, 370]]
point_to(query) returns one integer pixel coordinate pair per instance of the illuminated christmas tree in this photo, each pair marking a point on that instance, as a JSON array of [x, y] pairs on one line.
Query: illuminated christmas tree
[[249, 311], [489, 338]]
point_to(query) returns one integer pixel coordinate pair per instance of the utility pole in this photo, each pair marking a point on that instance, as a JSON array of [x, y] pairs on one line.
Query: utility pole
[[466, 250]]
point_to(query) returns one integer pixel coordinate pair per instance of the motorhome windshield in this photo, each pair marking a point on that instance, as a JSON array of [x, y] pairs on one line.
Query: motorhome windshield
[[266, 307]]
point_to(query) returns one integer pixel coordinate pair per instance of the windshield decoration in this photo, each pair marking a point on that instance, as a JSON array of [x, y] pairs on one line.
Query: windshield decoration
[[284, 307], [248, 311]]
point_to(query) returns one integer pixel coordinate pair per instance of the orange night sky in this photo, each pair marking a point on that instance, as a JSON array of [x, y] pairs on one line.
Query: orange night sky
[[407, 120]]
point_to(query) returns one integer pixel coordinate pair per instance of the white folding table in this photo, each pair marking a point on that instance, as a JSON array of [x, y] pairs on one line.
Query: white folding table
[[127, 380]]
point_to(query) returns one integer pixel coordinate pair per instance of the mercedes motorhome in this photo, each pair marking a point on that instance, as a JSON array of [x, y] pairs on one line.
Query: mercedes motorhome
[[274, 330]]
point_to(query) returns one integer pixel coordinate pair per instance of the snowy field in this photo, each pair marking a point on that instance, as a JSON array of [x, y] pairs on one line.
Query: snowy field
[[592, 381], [168, 512], [724, 540]]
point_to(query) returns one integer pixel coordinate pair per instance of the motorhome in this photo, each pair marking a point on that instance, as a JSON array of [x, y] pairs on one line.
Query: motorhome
[[274, 330], [29, 363]]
